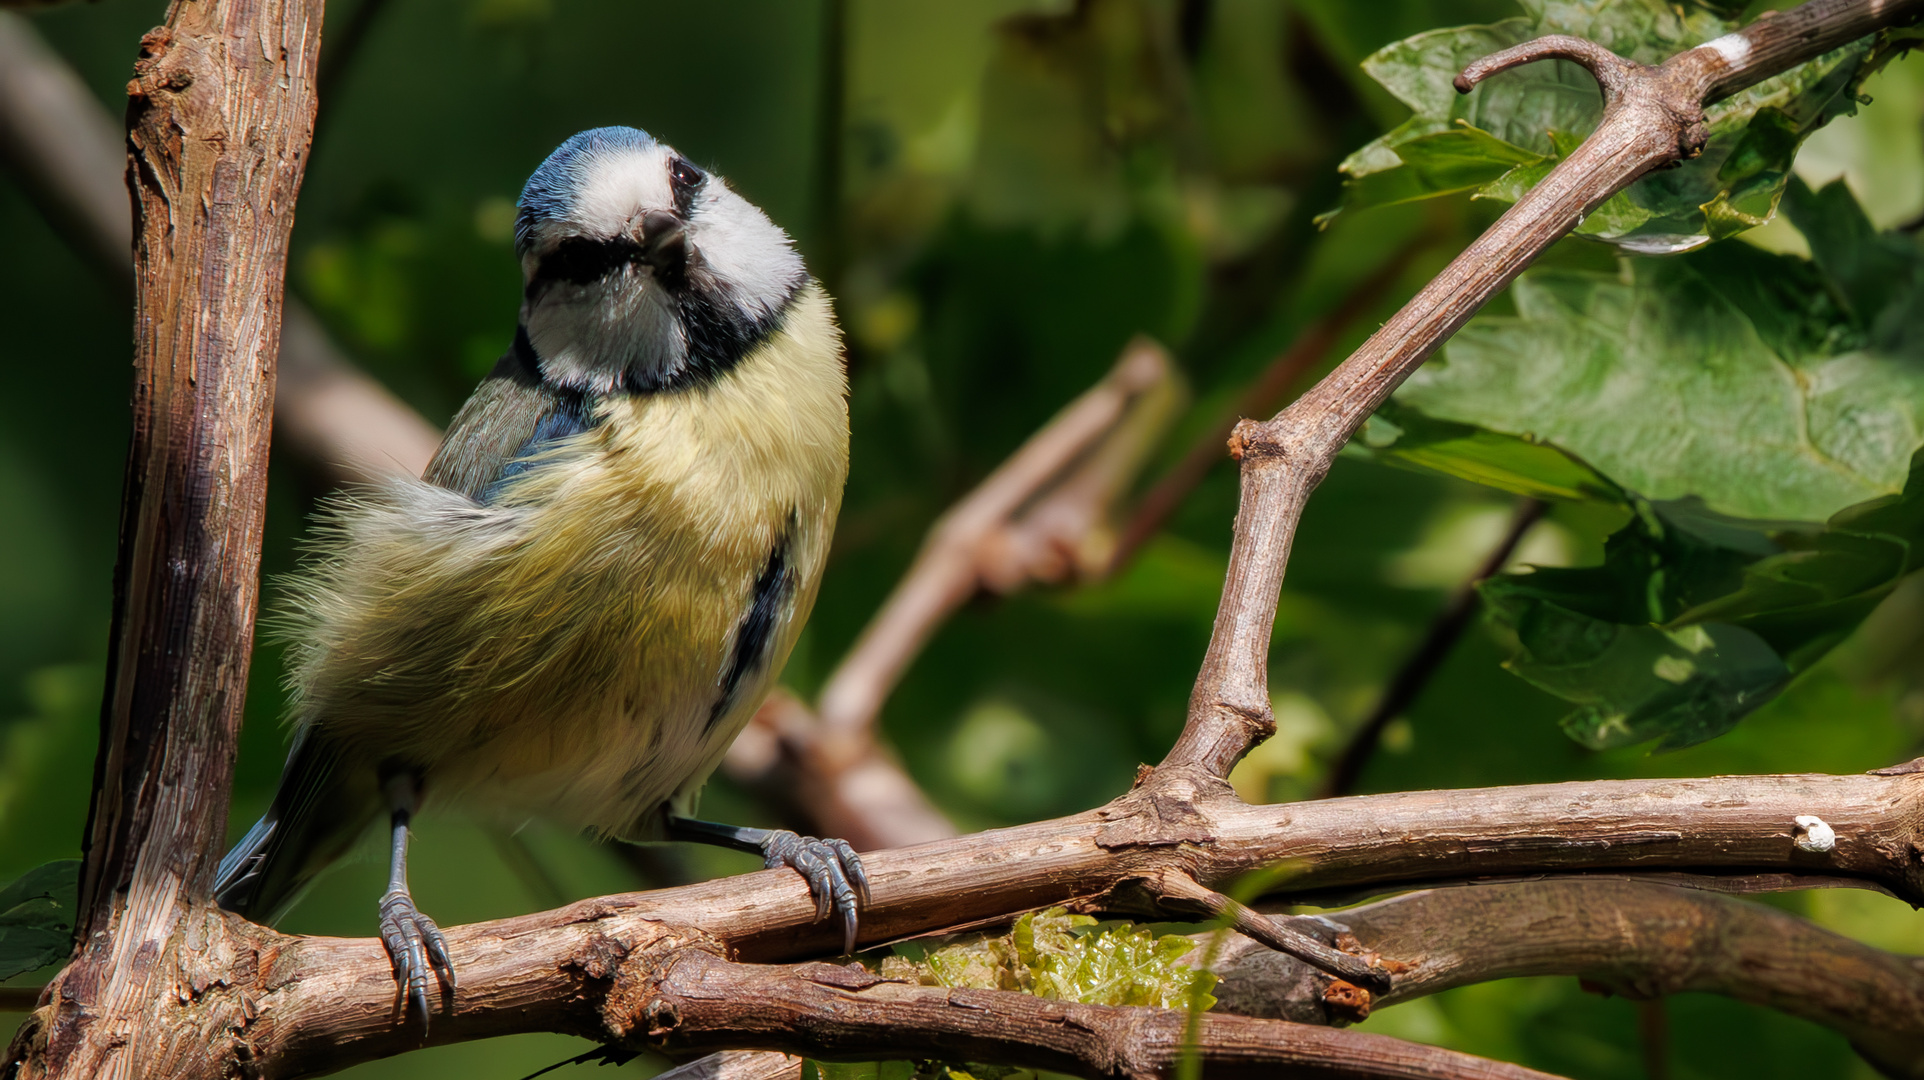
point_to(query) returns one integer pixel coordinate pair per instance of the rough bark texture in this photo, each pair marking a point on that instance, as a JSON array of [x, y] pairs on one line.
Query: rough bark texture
[[1652, 116], [313, 1004], [219, 113], [1635, 938]]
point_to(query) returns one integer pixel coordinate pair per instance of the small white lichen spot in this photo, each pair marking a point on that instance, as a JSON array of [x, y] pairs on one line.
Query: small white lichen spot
[[1813, 834], [1732, 47]]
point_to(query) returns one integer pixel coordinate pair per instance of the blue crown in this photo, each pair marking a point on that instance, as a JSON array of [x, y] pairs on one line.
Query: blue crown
[[550, 192]]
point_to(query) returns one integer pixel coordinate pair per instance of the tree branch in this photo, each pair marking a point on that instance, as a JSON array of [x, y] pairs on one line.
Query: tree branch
[[220, 112], [669, 988], [70, 156], [1651, 117], [625, 968], [1637, 939], [323, 1003]]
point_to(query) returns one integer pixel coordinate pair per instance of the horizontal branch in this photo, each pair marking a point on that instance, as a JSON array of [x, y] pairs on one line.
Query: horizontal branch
[[1634, 938], [670, 989], [1719, 827]]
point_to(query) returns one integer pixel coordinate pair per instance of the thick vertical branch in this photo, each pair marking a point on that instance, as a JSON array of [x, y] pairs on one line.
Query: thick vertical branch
[[220, 111]]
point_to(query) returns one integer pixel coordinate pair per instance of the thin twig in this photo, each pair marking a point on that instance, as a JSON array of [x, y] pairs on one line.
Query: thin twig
[[1437, 643], [1653, 1035], [1180, 892], [738, 1065], [951, 565]]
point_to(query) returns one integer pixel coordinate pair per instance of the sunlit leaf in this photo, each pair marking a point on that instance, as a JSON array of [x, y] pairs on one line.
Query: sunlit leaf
[[1527, 119], [1728, 377]]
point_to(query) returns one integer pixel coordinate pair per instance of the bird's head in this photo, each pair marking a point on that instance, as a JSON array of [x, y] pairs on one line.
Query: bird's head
[[642, 271]]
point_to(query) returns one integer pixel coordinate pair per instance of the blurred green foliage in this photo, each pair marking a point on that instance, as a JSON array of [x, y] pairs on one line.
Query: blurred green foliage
[[1000, 193]]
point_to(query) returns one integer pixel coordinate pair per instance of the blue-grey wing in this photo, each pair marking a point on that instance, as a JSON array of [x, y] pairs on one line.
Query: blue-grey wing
[[512, 416]]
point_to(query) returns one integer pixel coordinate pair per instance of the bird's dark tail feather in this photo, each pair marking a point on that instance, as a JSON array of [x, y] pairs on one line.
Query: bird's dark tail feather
[[318, 812]]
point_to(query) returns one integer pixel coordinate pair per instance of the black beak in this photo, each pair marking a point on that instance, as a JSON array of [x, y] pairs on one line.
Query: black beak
[[664, 244]]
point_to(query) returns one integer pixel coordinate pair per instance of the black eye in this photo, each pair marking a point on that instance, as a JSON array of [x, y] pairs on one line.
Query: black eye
[[686, 179]]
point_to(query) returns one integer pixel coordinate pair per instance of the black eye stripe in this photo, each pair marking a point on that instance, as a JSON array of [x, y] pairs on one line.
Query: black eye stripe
[[579, 260], [685, 179]]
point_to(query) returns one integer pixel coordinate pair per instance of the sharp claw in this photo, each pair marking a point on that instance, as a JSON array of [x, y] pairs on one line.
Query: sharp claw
[[438, 955], [415, 946], [852, 866], [836, 880]]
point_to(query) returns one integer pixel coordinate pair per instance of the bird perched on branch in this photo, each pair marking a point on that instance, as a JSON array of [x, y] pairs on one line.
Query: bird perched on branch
[[578, 607]]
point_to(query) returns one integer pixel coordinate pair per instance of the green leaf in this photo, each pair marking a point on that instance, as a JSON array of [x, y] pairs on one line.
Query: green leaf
[[1763, 416], [1728, 377], [37, 917], [1506, 135], [1521, 466], [1678, 634]]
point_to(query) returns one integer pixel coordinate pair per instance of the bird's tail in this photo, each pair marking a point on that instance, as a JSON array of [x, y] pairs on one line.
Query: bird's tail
[[318, 812]]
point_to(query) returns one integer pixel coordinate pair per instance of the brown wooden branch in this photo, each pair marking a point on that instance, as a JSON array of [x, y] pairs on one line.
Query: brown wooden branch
[[672, 989], [1652, 116], [70, 156], [324, 1003], [1634, 938], [700, 1001], [738, 1065], [971, 547], [220, 110], [196, 991]]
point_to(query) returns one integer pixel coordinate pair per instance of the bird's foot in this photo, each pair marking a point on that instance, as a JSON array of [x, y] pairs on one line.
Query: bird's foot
[[414, 944], [831, 868]]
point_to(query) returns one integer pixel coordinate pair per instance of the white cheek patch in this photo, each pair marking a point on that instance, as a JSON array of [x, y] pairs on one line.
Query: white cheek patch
[[744, 250], [613, 185]]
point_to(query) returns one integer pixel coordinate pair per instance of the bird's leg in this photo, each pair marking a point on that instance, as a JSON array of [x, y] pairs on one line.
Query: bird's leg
[[413, 941], [831, 868]]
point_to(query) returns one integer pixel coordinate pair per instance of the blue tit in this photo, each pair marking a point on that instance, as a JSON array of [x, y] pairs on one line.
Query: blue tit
[[581, 603]]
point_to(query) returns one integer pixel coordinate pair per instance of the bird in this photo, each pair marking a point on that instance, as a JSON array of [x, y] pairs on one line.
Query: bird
[[581, 602]]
